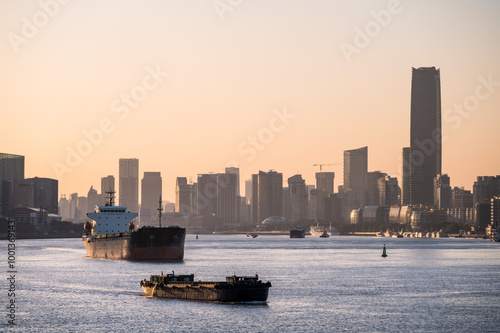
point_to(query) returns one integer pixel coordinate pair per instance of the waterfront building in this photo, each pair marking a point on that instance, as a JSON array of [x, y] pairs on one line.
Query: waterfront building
[[11, 169], [389, 191], [129, 183], [185, 195], [227, 199], [373, 195], [267, 195], [405, 179], [425, 134], [442, 192], [151, 190], [355, 178], [92, 200], [298, 198], [325, 181]]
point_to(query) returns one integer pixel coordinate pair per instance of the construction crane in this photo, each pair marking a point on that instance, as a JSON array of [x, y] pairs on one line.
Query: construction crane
[[321, 165]]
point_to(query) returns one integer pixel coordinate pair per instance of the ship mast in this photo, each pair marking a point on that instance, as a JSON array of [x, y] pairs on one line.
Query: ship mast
[[110, 198], [159, 211]]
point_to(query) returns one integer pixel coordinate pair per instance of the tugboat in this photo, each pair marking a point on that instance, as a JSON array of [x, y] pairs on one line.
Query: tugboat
[[234, 289], [111, 235], [298, 233]]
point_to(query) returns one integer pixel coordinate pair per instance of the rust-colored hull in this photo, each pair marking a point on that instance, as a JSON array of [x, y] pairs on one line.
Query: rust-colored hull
[[145, 244]]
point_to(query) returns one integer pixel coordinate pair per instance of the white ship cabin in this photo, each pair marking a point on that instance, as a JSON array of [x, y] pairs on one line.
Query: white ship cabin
[[111, 220]]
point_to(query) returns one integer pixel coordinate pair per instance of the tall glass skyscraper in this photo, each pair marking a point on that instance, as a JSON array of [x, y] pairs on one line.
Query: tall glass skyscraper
[[355, 177], [425, 134]]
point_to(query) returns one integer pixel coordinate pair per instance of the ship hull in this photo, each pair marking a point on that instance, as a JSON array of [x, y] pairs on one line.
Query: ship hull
[[208, 293], [145, 244]]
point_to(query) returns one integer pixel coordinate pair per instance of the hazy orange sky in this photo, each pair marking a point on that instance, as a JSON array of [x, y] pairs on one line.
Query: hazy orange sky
[[190, 87]]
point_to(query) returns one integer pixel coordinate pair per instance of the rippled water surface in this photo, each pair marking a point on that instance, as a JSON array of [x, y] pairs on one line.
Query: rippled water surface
[[318, 285]]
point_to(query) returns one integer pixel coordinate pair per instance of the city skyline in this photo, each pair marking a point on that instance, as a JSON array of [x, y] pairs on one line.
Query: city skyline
[[263, 86]]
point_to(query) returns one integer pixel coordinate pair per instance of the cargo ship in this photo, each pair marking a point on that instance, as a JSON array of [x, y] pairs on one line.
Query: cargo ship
[[234, 289], [111, 235]]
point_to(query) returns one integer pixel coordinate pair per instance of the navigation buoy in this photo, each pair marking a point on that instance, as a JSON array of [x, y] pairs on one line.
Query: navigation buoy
[[383, 252], [196, 236]]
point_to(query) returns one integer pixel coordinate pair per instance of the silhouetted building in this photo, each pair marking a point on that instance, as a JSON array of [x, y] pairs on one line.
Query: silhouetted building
[[92, 200], [442, 192], [64, 208], [355, 177], [228, 199], [207, 194], [325, 181], [151, 190], [485, 188], [11, 169], [185, 197], [405, 179], [389, 191], [298, 198], [373, 191], [425, 134], [267, 195], [129, 183], [462, 198]]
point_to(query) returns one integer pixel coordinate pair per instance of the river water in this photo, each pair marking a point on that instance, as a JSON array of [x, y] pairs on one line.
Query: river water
[[337, 284]]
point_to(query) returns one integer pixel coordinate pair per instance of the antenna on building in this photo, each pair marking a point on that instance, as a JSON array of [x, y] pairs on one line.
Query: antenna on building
[[159, 211]]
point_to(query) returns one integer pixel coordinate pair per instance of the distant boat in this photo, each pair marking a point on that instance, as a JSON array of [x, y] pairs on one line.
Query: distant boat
[[297, 233], [324, 235], [252, 235]]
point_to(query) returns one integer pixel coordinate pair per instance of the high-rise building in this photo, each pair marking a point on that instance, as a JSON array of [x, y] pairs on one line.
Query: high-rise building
[[462, 198], [227, 199], [388, 191], [184, 197], [129, 183], [442, 192], [405, 179], [11, 169], [355, 178], [485, 188], [151, 189], [107, 184], [324, 181], [235, 171], [425, 134], [207, 194], [298, 198], [372, 189], [267, 195], [92, 200]]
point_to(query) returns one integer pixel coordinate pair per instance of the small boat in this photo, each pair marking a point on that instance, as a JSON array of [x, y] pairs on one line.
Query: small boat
[[234, 289], [297, 233], [252, 235], [324, 235]]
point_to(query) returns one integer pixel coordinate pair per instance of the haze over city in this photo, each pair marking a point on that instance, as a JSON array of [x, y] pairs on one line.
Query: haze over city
[[194, 87]]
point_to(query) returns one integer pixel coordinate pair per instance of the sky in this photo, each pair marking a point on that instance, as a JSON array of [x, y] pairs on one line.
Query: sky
[[191, 87]]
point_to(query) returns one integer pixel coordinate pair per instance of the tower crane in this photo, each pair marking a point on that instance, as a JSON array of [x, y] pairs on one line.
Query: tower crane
[[321, 165]]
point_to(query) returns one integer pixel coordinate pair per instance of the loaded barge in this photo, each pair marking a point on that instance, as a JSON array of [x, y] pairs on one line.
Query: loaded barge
[[234, 289]]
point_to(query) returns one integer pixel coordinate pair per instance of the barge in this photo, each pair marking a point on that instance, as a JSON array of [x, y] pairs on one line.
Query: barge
[[234, 289]]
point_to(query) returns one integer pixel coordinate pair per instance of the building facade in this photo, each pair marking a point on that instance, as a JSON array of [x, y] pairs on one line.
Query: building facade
[[129, 183], [151, 190], [425, 134], [355, 178]]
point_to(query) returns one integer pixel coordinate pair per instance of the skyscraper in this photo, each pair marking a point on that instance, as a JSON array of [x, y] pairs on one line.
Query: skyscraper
[[324, 181], [355, 177], [405, 172], [185, 202], [151, 189], [129, 183], [11, 169], [425, 134], [267, 195], [298, 198], [107, 184]]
